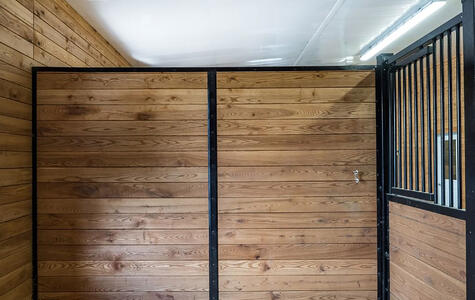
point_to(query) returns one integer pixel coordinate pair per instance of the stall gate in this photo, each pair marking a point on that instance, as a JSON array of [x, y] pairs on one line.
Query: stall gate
[[425, 100]]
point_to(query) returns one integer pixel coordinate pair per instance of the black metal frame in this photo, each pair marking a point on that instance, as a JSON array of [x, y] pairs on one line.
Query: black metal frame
[[383, 165], [424, 200], [213, 187], [34, 205], [212, 147], [469, 90]]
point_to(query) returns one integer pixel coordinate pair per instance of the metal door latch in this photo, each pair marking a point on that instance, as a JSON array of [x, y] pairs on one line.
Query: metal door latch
[[356, 173]]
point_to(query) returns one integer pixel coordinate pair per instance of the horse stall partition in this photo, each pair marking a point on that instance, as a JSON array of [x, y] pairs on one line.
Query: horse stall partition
[[427, 184], [205, 183], [293, 224], [122, 195]]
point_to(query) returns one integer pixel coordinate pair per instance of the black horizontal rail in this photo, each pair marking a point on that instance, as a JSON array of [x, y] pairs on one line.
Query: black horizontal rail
[[205, 69], [427, 39], [415, 56], [413, 194], [427, 205]]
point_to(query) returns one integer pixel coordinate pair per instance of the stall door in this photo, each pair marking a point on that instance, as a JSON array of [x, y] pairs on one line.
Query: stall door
[[122, 186], [293, 223]]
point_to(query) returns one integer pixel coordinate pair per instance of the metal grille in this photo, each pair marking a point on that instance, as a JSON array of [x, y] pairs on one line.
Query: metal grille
[[426, 108]]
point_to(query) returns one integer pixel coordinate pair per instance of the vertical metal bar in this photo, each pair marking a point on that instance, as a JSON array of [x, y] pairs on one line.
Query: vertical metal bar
[[405, 125], [442, 120], [449, 112], [429, 128], [34, 196], [422, 118], [391, 145], [399, 149], [382, 161], [469, 120], [410, 97], [434, 117], [458, 87], [416, 128], [213, 187]]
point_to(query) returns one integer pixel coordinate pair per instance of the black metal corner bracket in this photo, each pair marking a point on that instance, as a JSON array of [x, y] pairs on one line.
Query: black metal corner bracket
[[213, 187], [383, 162]]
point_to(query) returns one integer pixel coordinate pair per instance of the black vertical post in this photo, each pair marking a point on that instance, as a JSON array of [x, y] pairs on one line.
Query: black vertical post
[[434, 118], [399, 148], [422, 118], [416, 129], [383, 160], [34, 203], [429, 128], [411, 129], [404, 96], [213, 187], [469, 105], [450, 117], [442, 119], [458, 166]]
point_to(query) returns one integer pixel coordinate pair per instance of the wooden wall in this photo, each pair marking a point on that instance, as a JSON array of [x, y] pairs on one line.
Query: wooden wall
[[292, 222], [32, 33], [427, 254], [122, 192]]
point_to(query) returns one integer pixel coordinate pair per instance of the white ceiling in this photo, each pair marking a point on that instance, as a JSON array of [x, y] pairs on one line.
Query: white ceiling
[[250, 32]]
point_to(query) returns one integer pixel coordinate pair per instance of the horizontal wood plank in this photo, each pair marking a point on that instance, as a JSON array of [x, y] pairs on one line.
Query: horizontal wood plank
[[122, 112], [295, 79], [290, 236], [296, 111], [296, 267], [122, 237], [116, 190], [290, 189], [123, 221], [122, 128], [119, 144], [304, 126], [122, 253], [159, 174], [122, 205], [123, 283], [136, 80], [297, 220], [298, 142], [296, 204], [123, 159], [298, 283], [295, 95], [130, 96], [112, 268]]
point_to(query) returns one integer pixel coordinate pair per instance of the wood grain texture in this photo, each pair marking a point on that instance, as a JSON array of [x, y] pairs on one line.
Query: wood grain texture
[[290, 295], [427, 254], [303, 126], [288, 143], [121, 128], [122, 112], [295, 79], [135, 205], [116, 97], [115, 81], [296, 111], [33, 33], [280, 95]]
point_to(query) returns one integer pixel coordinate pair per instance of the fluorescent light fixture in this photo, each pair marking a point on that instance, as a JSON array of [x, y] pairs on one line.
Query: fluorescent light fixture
[[265, 60], [402, 28]]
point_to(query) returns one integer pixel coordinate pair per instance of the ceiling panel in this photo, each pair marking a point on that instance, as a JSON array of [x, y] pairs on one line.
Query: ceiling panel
[[248, 32]]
